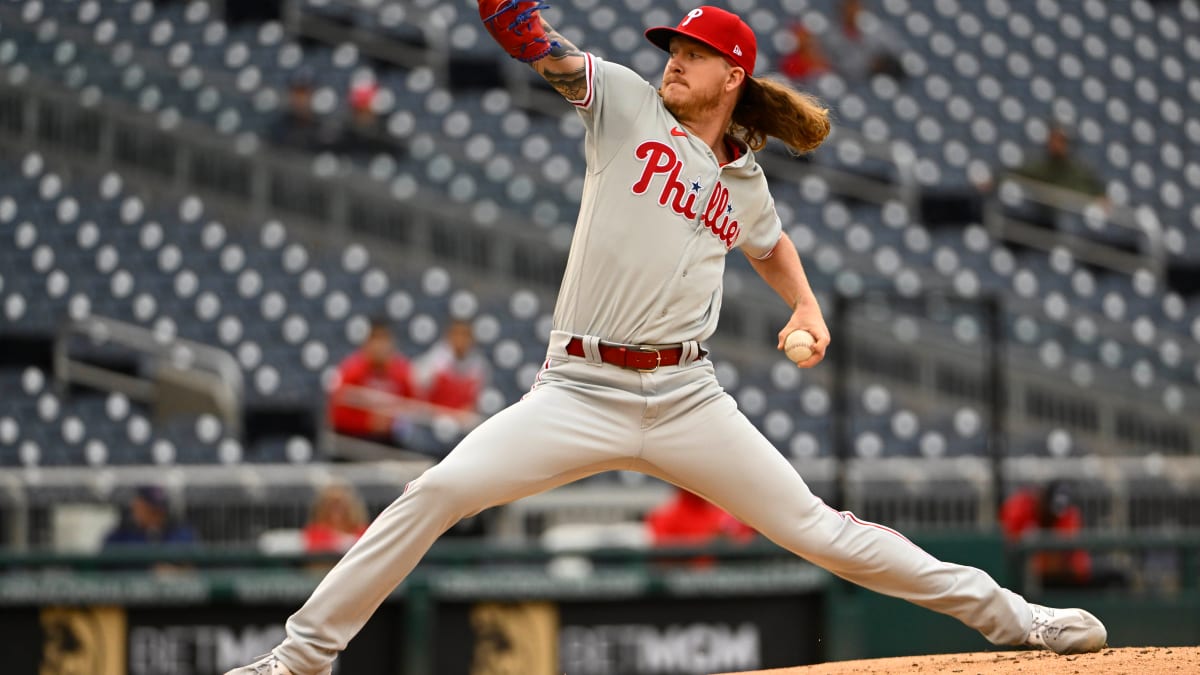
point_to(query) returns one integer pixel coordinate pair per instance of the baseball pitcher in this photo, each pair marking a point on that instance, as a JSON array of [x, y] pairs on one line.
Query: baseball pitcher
[[672, 187]]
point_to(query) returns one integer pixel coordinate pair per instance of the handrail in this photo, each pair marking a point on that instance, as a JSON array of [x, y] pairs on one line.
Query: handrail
[[1185, 542], [102, 482], [17, 516], [183, 353], [300, 21], [509, 235], [1141, 220], [444, 552], [466, 551], [108, 329], [392, 405], [1101, 540]]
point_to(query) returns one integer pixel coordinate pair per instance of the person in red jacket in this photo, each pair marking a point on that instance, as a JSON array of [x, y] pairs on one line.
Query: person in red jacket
[[376, 367], [453, 372], [337, 520], [690, 520], [1050, 510], [806, 61]]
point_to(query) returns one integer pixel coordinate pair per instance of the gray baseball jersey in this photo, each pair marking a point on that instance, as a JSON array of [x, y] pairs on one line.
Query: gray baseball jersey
[[657, 218]]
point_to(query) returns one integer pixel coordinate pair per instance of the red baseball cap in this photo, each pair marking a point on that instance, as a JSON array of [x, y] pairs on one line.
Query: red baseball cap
[[717, 28]]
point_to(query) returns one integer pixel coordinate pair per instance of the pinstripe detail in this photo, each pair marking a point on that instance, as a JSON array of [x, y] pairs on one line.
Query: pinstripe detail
[[590, 76], [537, 378], [867, 523]]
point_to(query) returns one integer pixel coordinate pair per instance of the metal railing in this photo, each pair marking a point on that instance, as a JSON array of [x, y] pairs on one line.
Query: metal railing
[[1139, 222], [186, 157], [230, 506], [206, 369], [66, 510], [300, 19], [1181, 550]]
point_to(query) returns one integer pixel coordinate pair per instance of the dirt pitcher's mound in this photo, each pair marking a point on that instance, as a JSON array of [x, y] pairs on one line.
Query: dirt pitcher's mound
[[1127, 660]]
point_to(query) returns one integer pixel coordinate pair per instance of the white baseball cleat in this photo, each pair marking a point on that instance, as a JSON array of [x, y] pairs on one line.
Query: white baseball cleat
[[265, 665], [1066, 631]]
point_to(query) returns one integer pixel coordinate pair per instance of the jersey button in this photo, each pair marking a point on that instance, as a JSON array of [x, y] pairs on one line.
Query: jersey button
[[685, 273]]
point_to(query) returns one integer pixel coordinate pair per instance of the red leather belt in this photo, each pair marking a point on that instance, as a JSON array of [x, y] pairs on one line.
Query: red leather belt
[[642, 359]]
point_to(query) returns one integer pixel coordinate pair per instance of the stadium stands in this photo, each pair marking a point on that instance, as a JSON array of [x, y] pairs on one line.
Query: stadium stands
[[983, 83]]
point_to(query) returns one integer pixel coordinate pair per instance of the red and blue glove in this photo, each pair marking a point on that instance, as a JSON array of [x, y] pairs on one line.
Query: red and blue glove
[[517, 27]]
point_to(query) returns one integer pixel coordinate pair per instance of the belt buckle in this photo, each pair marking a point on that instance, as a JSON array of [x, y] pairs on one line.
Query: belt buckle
[[648, 350]]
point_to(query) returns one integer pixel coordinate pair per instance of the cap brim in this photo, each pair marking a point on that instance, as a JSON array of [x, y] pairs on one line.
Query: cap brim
[[660, 37]]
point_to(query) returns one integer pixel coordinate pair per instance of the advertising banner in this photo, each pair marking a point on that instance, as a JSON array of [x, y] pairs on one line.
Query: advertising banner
[[207, 640], [212, 640], [667, 636]]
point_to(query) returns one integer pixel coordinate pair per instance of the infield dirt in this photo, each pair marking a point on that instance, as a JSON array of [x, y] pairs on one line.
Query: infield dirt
[[1122, 661]]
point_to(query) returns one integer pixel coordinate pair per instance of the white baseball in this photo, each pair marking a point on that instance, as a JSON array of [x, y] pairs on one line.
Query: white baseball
[[798, 345]]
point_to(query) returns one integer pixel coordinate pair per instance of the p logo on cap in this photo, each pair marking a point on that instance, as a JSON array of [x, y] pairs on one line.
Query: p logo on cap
[[717, 28]]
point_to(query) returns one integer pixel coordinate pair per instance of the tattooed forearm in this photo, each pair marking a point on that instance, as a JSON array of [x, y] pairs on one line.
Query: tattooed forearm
[[573, 85], [562, 47], [569, 78]]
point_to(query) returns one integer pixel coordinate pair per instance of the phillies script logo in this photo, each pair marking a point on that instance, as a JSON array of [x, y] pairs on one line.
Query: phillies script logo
[[660, 158]]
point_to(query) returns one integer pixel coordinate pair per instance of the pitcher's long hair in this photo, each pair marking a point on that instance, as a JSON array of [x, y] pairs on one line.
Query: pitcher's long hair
[[768, 108]]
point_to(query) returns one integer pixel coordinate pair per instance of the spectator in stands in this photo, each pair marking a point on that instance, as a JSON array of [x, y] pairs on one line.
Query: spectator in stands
[[807, 60], [861, 46], [367, 388], [338, 518], [148, 521], [453, 372], [364, 133], [1057, 165], [299, 126], [690, 520], [449, 377], [1049, 509]]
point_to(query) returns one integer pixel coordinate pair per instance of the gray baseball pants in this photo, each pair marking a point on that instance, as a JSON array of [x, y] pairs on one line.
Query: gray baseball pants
[[677, 424]]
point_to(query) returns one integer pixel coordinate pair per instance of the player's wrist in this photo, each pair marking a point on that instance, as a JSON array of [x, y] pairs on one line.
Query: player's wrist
[[803, 301]]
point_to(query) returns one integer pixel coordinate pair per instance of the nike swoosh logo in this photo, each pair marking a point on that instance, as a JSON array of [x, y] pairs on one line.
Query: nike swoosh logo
[[676, 131]]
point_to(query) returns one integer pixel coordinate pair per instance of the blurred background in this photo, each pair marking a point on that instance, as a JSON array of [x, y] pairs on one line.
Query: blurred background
[[261, 264]]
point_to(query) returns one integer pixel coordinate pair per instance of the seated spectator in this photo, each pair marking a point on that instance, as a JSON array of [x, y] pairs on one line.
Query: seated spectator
[[338, 518], [1058, 166], [449, 379], [453, 372], [1052, 510], [1055, 165], [806, 61], [364, 133], [861, 45], [690, 520], [299, 126], [148, 521], [1048, 510], [364, 396]]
